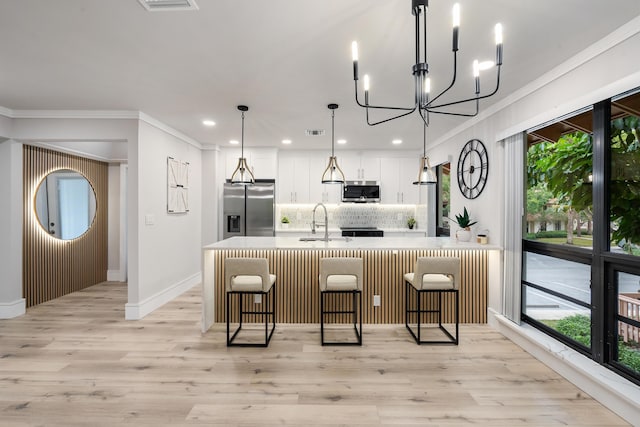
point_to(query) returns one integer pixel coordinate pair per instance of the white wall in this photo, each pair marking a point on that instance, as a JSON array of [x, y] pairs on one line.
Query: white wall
[[165, 256], [584, 80], [210, 196], [11, 302]]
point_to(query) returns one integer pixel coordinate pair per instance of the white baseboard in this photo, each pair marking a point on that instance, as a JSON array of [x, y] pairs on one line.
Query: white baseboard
[[9, 310], [141, 309], [613, 391], [115, 276]]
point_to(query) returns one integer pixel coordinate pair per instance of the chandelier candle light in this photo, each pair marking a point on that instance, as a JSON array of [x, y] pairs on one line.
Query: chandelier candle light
[[333, 174], [422, 102], [242, 175]]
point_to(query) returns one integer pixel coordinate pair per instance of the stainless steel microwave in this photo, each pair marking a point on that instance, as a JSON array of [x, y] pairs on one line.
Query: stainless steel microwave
[[361, 191]]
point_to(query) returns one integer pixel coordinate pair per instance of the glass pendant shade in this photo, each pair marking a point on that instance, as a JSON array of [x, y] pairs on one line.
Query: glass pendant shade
[[242, 175], [333, 174], [426, 176]]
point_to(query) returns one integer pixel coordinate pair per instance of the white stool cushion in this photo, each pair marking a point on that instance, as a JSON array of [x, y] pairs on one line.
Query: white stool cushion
[[430, 281], [342, 282], [250, 283]]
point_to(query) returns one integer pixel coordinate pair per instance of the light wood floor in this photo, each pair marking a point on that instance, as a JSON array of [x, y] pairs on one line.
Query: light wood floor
[[75, 361]]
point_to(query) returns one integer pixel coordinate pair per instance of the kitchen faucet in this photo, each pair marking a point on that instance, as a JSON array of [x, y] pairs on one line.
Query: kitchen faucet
[[326, 222]]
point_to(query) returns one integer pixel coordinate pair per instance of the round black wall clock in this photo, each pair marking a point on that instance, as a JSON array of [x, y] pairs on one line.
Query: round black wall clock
[[473, 169]]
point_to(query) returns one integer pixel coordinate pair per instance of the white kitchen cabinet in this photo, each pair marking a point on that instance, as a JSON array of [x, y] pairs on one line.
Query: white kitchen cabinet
[[360, 168], [293, 180], [396, 180], [408, 173], [263, 162]]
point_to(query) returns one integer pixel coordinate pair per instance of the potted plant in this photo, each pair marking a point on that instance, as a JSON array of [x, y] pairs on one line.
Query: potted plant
[[464, 222], [285, 221], [411, 222]]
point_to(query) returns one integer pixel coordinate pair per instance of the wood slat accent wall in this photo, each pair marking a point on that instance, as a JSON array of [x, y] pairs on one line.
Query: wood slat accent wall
[[53, 267], [298, 293]]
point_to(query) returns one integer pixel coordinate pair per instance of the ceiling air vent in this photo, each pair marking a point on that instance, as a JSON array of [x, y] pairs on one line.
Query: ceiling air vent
[[168, 5], [314, 132]]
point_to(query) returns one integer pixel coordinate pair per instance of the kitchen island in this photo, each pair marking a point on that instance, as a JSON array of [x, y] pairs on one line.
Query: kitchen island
[[386, 259]]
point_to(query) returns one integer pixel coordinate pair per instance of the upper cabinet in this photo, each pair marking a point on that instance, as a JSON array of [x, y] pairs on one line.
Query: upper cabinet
[[396, 180], [293, 180], [262, 161], [357, 167], [299, 175]]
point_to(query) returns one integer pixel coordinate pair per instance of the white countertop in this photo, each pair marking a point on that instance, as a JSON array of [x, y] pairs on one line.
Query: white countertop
[[372, 243], [337, 230]]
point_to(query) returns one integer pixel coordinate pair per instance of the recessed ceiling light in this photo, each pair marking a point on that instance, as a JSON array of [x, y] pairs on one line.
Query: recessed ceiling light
[[208, 123], [234, 142], [286, 141], [396, 141], [168, 5], [341, 141]]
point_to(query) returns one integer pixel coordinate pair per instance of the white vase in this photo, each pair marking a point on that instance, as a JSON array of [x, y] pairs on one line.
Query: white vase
[[285, 225], [463, 235]]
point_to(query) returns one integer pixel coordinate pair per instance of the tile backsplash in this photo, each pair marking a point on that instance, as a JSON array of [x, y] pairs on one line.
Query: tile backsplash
[[353, 215]]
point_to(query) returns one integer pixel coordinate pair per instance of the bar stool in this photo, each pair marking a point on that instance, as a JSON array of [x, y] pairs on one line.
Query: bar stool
[[250, 276], [341, 276], [433, 275]]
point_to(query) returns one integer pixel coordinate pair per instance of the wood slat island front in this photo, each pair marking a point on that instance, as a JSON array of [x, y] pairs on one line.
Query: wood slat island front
[[296, 265]]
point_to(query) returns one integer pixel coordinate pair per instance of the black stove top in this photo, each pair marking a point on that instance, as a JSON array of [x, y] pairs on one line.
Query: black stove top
[[362, 231]]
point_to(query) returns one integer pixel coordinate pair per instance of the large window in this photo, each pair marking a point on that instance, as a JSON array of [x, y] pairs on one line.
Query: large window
[[581, 274], [624, 203], [557, 294], [560, 175]]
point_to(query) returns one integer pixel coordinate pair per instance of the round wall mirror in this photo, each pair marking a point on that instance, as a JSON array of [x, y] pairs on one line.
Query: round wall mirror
[[65, 204]]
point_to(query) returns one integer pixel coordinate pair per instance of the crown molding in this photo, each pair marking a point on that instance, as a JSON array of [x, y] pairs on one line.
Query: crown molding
[[51, 145], [206, 147], [168, 129], [74, 114], [7, 112], [100, 114]]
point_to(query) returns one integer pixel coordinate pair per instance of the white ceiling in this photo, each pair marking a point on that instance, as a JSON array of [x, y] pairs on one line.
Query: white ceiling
[[285, 59]]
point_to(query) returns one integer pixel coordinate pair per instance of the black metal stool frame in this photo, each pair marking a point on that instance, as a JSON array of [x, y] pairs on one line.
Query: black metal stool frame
[[354, 306], [452, 339], [265, 313]]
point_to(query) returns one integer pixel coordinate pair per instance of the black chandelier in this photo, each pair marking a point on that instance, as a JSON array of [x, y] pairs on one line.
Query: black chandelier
[[423, 103]]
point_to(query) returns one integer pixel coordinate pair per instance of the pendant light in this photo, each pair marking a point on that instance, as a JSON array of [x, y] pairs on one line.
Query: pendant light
[[425, 174], [242, 175], [333, 174]]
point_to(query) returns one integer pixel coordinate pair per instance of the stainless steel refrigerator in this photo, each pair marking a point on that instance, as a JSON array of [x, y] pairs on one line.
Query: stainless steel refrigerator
[[249, 210]]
